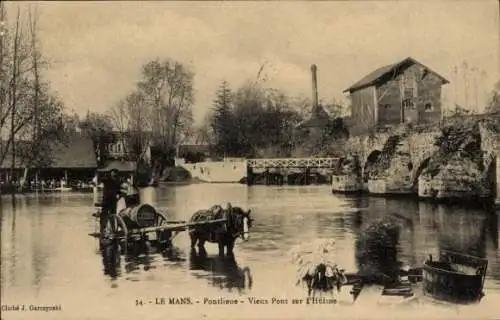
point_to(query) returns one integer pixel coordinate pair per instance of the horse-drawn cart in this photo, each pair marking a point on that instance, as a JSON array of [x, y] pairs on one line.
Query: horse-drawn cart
[[143, 223]]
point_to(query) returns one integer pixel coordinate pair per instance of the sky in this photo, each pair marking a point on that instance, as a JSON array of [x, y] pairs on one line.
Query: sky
[[96, 49]]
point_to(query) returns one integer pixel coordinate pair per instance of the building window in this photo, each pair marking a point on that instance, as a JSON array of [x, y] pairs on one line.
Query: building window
[[428, 107], [408, 100], [409, 91]]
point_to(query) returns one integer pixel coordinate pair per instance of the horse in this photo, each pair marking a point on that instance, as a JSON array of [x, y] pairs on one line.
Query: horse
[[237, 224], [324, 279]]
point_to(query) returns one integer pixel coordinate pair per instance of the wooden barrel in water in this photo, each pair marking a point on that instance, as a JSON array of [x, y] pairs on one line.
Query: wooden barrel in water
[[143, 215]]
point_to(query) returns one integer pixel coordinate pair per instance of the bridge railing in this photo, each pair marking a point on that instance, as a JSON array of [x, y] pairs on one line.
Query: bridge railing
[[292, 163]]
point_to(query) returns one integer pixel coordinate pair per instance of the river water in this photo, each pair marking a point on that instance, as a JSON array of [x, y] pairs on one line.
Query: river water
[[48, 257]]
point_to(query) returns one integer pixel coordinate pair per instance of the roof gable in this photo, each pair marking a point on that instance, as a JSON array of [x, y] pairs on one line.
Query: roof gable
[[77, 153], [377, 75]]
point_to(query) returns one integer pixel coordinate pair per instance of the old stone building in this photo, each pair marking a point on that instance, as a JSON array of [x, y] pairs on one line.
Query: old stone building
[[403, 92]]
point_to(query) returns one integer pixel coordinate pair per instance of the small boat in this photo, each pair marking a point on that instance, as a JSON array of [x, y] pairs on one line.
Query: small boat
[[454, 277]]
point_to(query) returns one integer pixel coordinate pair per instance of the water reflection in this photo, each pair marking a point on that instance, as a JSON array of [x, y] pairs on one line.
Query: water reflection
[[222, 272], [136, 263], [43, 236], [428, 228], [111, 260]]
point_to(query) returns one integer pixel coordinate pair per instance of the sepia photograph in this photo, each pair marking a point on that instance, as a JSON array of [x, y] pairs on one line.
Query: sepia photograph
[[250, 159]]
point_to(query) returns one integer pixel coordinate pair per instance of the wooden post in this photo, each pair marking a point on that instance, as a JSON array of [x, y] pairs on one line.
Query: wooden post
[[266, 176], [307, 177]]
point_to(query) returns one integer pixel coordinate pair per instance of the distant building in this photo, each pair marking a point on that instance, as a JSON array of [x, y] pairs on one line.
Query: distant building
[[120, 149], [403, 92], [75, 159]]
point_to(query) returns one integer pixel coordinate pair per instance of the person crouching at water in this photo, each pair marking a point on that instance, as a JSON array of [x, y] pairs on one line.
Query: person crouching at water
[[111, 193]]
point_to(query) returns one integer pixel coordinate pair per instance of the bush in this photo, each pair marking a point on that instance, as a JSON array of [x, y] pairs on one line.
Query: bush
[[376, 249]]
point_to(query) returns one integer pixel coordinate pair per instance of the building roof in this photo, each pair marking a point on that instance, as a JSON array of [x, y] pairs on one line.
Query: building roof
[[122, 166], [77, 153], [203, 148], [377, 75]]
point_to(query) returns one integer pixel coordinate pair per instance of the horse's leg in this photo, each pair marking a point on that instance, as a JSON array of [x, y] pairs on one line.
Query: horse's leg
[[194, 236], [221, 245], [202, 252], [201, 244], [230, 247]]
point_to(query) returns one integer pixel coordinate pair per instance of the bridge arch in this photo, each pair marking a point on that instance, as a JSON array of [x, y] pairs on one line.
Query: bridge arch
[[418, 171], [371, 160]]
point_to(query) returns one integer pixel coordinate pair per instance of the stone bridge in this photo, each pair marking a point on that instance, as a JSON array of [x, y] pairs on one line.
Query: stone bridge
[[412, 151]]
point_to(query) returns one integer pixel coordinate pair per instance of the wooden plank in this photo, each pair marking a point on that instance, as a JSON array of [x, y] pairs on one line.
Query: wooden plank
[[178, 227], [169, 226]]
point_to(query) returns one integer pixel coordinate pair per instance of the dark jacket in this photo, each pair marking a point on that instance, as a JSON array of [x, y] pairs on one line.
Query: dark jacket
[[110, 191]]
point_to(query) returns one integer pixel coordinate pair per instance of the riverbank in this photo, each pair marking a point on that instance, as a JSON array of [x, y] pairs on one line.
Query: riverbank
[[472, 203]]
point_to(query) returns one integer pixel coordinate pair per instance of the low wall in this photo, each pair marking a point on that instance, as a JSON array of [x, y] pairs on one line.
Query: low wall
[[227, 171], [346, 183], [377, 186]]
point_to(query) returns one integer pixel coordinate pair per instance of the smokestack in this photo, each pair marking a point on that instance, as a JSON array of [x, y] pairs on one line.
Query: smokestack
[[314, 87]]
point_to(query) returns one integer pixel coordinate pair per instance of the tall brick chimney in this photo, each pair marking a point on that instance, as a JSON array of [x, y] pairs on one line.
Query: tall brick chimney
[[314, 88]]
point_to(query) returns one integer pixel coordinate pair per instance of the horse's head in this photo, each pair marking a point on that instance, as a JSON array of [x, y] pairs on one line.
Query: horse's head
[[240, 221]]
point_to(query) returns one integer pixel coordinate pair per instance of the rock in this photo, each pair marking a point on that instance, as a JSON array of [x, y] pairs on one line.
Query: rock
[[458, 178]]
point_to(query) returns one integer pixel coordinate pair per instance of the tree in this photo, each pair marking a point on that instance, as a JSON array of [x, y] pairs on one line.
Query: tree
[[99, 128], [262, 122], [28, 111], [132, 118], [222, 123], [248, 118], [167, 88], [52, 127], [204, 133]]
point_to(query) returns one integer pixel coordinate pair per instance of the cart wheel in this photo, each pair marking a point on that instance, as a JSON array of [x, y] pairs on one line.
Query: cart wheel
[[115, 229]]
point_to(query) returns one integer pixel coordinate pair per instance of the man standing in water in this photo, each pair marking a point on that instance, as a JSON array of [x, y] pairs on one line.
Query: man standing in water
[[111, 194]]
